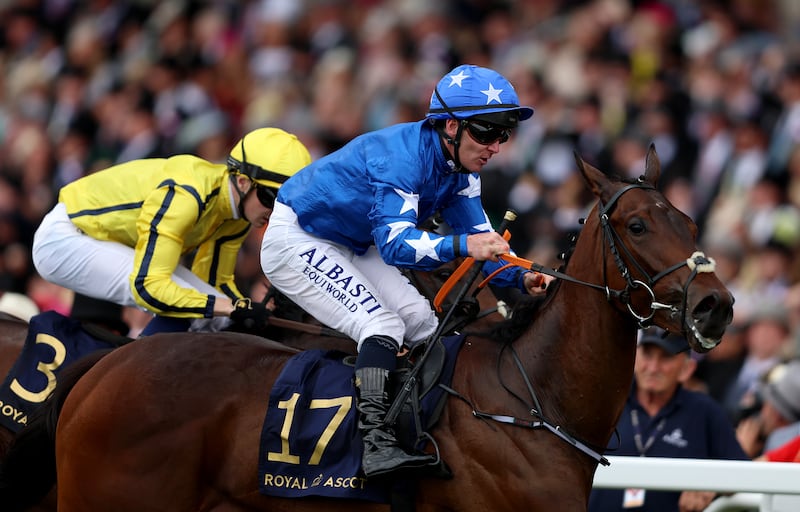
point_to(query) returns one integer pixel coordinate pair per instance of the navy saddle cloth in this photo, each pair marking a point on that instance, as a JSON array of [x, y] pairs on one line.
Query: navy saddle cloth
[[310, 442], [53, 342]]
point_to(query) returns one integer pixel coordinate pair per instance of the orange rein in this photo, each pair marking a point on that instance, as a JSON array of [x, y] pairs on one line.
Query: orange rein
[[465, 266]]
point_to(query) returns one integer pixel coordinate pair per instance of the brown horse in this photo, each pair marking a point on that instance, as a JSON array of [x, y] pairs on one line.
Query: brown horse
[[478, 302], [13, 330], [172, 422]]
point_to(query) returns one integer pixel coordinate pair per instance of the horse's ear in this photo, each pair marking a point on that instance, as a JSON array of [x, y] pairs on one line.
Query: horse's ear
[[652, 166], [598, 182]]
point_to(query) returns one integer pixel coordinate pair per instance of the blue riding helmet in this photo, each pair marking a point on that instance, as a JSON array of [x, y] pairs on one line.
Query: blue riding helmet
[[468, 91]]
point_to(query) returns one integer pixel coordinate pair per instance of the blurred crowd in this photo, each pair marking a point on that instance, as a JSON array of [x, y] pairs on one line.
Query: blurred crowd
[[714, 84]]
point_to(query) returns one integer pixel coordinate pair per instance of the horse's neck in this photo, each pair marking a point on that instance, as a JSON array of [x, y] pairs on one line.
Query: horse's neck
[[579, 371], [580, 353]]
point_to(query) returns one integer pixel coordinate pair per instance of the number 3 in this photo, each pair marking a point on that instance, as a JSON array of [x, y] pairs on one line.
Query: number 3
[[47, 369]]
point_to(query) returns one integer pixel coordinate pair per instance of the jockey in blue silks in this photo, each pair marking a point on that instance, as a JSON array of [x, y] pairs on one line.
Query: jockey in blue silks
[[343, 225]]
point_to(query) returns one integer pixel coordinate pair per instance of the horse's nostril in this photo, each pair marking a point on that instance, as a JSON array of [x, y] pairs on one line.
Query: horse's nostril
[[707, 305], [712, 314]]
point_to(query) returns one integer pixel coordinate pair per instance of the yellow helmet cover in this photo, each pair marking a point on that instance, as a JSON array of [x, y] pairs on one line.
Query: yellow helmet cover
[[268, 156]]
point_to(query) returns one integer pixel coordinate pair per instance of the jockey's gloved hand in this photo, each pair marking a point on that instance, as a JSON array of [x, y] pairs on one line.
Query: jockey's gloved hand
[[250, 315]]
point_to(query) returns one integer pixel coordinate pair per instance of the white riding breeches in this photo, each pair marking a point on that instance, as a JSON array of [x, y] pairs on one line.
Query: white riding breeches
[[64, 255], [360, 296]]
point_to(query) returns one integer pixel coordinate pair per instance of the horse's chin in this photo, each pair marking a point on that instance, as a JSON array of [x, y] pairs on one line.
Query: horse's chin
[[700, 344]]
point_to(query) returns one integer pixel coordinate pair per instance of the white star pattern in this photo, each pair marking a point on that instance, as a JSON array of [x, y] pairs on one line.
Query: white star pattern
[[486, 226], [473, 189], [492, 94], [425, 246], [410, 201], [456, 79], [395, 228]]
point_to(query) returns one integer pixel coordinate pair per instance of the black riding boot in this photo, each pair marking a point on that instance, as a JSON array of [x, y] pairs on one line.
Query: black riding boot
[[382, 454]]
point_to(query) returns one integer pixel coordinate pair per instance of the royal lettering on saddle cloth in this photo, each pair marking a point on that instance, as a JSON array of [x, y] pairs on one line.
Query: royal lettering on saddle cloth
[[53, 342], [310, 443]]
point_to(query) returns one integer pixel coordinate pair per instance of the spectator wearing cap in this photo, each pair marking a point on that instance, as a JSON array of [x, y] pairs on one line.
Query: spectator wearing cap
[[778, 419], [783, 396], [664, 419]]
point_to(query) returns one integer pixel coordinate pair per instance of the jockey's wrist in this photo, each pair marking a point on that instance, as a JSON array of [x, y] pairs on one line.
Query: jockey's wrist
[[223, 306], [457, 252]]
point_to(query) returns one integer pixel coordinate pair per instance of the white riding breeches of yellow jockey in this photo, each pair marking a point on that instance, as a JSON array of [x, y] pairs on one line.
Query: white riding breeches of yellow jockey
[[64, 255]]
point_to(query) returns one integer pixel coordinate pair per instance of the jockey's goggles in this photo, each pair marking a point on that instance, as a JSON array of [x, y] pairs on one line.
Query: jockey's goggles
[[485, 133], [265, 196]]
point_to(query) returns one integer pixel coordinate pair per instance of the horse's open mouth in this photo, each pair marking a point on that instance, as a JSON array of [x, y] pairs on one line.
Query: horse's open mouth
[[705, 343]]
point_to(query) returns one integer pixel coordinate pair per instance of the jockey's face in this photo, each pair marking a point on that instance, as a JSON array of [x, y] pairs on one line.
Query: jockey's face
[[255, 212], [472, 154]]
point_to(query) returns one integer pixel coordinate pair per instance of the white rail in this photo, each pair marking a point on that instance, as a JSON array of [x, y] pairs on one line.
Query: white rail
[[755, 483]]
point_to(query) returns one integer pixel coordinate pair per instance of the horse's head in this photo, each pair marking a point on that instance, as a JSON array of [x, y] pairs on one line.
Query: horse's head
[[652, 264]]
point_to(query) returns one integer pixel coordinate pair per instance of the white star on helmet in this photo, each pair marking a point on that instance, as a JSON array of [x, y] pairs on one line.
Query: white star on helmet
[[457, 79], [492, 94]]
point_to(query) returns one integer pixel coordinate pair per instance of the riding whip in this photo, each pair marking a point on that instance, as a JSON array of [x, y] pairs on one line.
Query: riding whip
[[411, 382]]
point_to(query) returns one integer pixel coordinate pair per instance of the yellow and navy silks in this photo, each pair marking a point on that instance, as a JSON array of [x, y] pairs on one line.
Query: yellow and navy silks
[[164, 208]]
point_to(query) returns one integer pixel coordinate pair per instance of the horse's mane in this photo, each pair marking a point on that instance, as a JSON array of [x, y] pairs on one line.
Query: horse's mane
[[527, 307]]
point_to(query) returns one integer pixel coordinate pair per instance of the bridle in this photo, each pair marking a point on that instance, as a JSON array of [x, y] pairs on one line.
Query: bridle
[[697, 263]]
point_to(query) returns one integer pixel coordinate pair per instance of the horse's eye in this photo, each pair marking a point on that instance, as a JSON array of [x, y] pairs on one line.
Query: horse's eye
[[636, 227], [445, 274]]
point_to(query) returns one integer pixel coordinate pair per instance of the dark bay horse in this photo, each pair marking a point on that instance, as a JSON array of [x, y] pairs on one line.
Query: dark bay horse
[[171, 422]]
